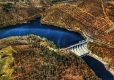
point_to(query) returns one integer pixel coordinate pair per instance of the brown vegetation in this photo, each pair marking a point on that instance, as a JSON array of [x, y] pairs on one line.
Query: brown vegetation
[[37, 61], [13, 14]]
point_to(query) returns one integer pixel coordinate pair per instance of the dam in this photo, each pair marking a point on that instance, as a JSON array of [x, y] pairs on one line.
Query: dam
[[63, 38], [80, 48]]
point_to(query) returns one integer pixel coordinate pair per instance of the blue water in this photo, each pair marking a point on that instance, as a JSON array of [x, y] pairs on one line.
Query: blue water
[[98, 68], [61, 37]]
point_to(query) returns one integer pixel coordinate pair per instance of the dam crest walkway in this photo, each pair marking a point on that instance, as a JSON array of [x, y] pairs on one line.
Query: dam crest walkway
[[80, 48]]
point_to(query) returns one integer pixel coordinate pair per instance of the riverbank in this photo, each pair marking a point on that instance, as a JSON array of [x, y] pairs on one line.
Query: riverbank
[[107, 54]]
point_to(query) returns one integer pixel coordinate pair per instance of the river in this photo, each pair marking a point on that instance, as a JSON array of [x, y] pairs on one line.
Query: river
[[61, 37], [98, 68]]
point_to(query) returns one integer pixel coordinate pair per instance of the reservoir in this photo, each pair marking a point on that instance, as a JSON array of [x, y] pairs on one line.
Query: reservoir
[[61, 37]]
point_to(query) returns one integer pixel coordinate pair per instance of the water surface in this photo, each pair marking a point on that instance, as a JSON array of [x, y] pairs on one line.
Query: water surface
[[98, 68], [61, 37]]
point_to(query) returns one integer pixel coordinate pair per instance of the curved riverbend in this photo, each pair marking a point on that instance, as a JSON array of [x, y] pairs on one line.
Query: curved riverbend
[[61, 37]]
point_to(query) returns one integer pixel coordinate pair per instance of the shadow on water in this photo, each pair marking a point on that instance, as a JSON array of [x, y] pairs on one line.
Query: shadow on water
[[98, 68]]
